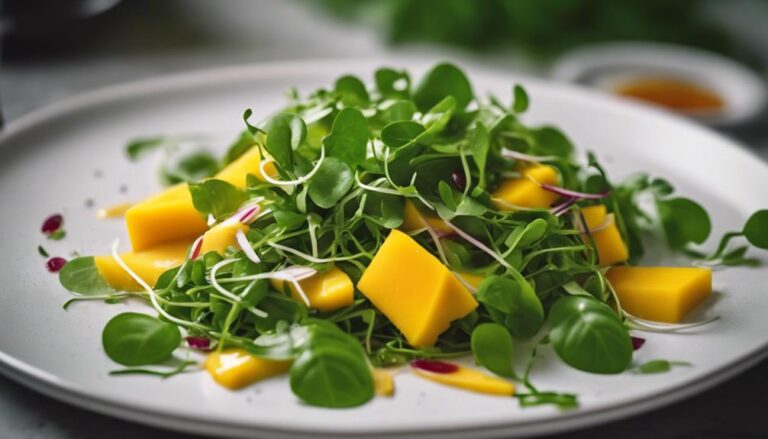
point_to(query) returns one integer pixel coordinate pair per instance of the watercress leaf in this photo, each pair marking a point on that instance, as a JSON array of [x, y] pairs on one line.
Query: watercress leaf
[[288, 219], [81, 276], [190, 168], [401, 133], [551, 141], [659, 366], [386, 210], [330, 183], [331, 376], [684, 222], [523, 236], [348, 139], [442, 81], [134, 339], [446, 194], [492, 348], [217, 197], [468, 206], [138, 147], [285, 132], [756, 229], [352, 91], [479, 145], [392, 83], [512, 303], [521, 99], [396, 111], [436, 119], [587, 335]]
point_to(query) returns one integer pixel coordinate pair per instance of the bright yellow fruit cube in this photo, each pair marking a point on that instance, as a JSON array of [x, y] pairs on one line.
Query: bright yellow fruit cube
[[171, 216], [327, 291], [414, 290], [221, 236], [525, 191], [383, 384], [414, 219], [470, 379], [235, 368], [147, 264], [662, 294], [611, 248]]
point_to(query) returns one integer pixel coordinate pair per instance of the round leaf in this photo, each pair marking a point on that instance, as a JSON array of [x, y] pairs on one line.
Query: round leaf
[[684, 221], [492, 348], [134, 339], [588, 336], [329, 376], [512, 304], [81, 276], [330, 183], [442, 81], [352, 90], [756, 229], [400, 133], [348, 140], [285, 133]]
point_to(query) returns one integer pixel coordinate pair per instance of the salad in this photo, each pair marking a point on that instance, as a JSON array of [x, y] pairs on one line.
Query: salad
[[399, 226]]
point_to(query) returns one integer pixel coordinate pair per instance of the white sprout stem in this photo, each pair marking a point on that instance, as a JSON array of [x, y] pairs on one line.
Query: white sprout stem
[[375, 188], [245, 246], [312, 237], [152, 294], [298, 181], [300, 291], [528, 157], [511, 206], [296, 272], [438, 244], [469, 238], [465, 282], [228, 294], [311, 258]]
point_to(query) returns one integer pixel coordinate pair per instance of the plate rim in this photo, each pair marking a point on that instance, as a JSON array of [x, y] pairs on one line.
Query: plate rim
[[49, 385]]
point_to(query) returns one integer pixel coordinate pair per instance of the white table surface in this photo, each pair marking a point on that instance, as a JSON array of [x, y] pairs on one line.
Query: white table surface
[[192, 34]]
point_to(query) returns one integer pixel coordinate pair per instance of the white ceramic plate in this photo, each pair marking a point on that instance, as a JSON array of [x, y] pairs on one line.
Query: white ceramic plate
[[50, 161]]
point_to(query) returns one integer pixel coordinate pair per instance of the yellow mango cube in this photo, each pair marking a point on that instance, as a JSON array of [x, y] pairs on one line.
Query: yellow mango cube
[[470, 379], [383, 384], [327, 291], [610, 247], [414, 219], [235, 368], [414, 290], [171, 216], [662, 294], [525, 191], [221, 236], [147, 264], [166, 217]]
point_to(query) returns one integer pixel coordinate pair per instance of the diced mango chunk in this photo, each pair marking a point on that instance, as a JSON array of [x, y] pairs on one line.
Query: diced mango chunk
[[221, 236], [236, 173], [147, 264], [470, 379], [414, 219], [525, 191], [171, 216], [166, 217], [327, 291], [663, 294], [414, 290], [383, 384], [611, 248], [235, 368]]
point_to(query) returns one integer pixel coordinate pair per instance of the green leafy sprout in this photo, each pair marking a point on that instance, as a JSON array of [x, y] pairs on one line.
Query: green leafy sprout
[[346, 161]]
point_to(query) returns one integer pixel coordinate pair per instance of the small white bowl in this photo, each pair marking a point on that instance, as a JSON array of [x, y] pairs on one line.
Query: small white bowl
[[603, 66]]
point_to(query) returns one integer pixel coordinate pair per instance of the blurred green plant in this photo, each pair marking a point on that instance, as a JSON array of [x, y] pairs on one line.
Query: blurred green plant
[[541, 27]]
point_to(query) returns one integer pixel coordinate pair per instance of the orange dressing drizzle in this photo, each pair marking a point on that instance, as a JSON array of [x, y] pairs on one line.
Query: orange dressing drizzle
[[674, 94]]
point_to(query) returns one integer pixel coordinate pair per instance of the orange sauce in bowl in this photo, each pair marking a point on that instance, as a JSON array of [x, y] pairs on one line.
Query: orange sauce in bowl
[[674, 94]]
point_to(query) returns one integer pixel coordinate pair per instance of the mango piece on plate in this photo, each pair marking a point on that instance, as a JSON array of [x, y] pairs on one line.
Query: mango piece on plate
[[147, 264], [611, 248], [166, 217], [662, 294], [414, 290], [235, 368], [462, 377], [221, 236], [327, 291], [415, 219], [383, 384], [171, 216], [524, 191]]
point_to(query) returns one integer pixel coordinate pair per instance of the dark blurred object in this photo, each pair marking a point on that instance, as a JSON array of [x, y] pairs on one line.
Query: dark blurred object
[[543, 27], [42, 18]]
